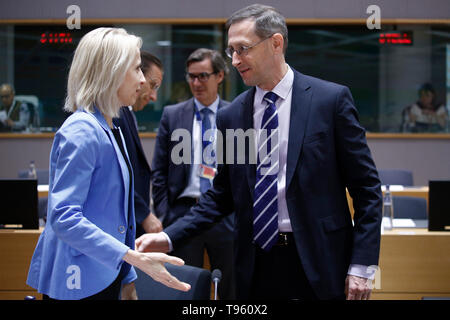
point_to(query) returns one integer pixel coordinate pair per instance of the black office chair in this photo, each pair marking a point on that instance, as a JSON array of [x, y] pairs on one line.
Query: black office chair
[[198, 278], [42, 175], [410, 208], [42, 208], [396, 176]]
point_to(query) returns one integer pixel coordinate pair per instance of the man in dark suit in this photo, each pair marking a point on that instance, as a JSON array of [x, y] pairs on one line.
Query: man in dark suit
[[294, 233], [152, 69], [177, 187]]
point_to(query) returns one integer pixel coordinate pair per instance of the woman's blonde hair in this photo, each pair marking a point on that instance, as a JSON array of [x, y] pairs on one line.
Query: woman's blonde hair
[[99, 65]]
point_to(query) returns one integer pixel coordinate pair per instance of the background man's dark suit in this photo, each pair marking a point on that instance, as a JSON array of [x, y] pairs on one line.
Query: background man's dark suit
[[170, 180], [141, 168], [327, 152]]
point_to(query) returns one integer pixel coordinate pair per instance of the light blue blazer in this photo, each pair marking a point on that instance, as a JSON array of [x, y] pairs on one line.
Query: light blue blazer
[[80, 251]]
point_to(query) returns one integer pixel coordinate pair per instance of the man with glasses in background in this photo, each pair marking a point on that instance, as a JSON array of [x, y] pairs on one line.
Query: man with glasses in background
[[177, 187]]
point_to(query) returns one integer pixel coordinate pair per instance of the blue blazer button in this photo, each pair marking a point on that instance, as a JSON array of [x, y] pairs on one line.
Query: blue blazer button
[[122, 229]]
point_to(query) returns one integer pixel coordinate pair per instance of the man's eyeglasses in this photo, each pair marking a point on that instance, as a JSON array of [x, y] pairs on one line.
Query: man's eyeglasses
[[152, 82], [153, 85], [242, 50], [202, 77]]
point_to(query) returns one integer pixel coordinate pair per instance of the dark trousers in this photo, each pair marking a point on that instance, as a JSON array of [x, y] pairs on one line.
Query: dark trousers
[[279, 275], [112, 292], [218, 242]]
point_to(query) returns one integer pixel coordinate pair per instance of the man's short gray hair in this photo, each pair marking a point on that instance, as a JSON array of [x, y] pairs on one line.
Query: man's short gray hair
[[268, 21]]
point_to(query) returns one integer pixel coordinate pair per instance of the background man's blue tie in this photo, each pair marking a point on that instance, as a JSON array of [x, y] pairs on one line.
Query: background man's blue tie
[[265, 203], [205, 183]]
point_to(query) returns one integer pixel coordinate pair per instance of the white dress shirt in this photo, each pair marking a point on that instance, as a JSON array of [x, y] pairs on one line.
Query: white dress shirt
[[192, 190], [284, 92]]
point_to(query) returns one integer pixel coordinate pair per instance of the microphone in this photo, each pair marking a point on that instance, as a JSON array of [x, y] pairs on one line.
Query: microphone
[[216, 277]]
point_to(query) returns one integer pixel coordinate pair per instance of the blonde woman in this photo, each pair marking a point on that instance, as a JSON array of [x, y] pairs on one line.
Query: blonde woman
[[86, 250]]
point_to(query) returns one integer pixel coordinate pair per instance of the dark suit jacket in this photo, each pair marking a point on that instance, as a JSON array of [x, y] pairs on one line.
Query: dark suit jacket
[[141, 168], [169, 178], [327, 152]]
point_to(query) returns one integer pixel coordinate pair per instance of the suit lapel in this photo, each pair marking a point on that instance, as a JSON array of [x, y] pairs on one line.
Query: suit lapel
[[132, 125], [129, 117], [300, 106], [247, 123], [185, 121], [220, 104]]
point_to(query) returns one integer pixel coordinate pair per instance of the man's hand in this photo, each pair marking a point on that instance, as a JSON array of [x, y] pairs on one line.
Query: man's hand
[[151, 224], [357, 288], [152, 242], [153, 265], [128, 291]]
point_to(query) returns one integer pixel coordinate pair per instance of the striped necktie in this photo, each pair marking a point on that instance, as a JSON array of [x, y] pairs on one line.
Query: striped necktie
[[265, 205]]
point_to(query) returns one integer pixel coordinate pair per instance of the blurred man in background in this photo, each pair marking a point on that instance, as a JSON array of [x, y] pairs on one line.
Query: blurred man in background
[[152, 69], [177, 187], [14, 114]]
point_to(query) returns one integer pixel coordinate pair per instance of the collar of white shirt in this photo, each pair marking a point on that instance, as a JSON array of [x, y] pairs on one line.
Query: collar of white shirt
[[282, 89], [213, 106]]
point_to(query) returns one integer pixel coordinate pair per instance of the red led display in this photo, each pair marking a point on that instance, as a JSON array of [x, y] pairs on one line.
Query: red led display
[[399, 38], [56, 37]]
